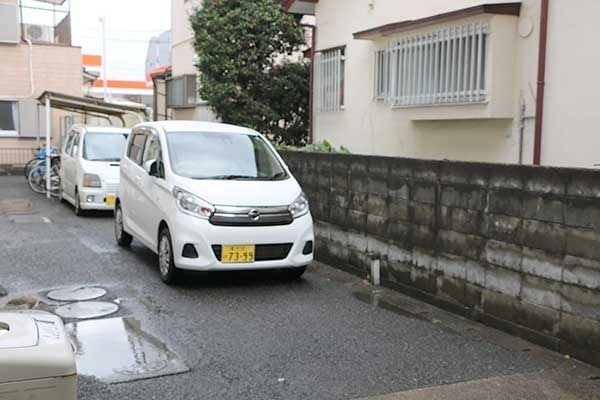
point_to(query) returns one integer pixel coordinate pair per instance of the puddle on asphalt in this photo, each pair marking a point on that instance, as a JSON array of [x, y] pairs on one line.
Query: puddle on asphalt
[[374, 298], [406, 309], [117, 350], [76, 294], [86, 309]]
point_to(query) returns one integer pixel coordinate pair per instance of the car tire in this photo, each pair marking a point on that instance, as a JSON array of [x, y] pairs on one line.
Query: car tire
[[123, 238], [77, 207], [166, 263], [294, 273]]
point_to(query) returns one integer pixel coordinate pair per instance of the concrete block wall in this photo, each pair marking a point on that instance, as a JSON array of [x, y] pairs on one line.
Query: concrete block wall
[[517, 247]]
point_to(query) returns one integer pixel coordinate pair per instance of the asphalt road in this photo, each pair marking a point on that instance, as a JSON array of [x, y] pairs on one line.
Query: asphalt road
[[248, 336]]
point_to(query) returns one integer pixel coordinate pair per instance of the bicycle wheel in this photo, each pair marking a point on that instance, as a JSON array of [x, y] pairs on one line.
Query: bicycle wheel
[[37, 179], [29, 166], [54, 181]]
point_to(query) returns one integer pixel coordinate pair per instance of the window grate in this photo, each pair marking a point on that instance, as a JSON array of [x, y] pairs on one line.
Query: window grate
[[330, 79], [443, 67]]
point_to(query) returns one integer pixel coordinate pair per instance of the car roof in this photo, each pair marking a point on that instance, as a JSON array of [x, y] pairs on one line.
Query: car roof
[[197, 126], [101, 129]]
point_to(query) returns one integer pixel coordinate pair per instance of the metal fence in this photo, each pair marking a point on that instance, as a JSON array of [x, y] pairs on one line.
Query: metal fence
[[15, 156]]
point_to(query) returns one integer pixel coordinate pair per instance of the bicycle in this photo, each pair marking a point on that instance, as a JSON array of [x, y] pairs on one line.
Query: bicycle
[[39, 155], [37, 176]]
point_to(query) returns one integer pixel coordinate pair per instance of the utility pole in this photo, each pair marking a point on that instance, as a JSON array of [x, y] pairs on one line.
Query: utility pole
[[104, 77]]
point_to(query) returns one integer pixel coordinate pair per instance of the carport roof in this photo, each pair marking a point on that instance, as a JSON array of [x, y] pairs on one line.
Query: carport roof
[[76, 104]]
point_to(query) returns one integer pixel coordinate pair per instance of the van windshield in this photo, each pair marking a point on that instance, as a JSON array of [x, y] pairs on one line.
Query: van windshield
[[104, 146], [202, 155]]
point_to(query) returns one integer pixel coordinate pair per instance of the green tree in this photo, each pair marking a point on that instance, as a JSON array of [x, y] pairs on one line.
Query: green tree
[[239, 43]]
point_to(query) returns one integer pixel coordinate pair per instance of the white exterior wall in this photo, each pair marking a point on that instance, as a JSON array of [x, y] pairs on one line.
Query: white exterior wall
[[367, 126], [571, 135], [182, 56]]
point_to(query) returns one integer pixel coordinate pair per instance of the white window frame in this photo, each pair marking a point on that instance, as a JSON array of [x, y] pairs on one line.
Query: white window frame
[[429, 69], [16, 120], [330, 68]]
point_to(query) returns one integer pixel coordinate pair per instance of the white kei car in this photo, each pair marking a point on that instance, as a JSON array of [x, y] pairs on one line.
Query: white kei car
[[90, 160], [211, 197]]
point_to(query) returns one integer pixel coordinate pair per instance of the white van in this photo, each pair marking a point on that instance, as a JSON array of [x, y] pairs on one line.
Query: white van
[[90, 160], [209, 197]]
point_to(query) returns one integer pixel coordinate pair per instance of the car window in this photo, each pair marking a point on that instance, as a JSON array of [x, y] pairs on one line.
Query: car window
[[74, 145], [152, 150], [104, 146], [69, 144], [137, 147], [204, 155]]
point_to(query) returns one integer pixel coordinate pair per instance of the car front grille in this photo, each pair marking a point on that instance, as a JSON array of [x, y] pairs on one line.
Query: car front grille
[[251, 216], [111, 187], [263, 252]]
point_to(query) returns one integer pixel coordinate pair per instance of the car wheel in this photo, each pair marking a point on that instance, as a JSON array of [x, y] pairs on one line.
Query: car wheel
[[123, 238], [166, 263], [78, 211], [294, 273]]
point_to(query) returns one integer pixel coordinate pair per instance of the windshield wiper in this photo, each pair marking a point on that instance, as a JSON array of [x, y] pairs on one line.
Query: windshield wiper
[[233, 177], [278, 176], [107, 159]]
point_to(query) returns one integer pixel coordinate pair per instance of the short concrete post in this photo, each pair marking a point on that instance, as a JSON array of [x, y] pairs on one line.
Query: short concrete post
[[375, 274]]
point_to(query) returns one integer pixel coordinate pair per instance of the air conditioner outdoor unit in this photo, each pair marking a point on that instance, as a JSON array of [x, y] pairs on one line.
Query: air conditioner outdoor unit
[[39, 33]]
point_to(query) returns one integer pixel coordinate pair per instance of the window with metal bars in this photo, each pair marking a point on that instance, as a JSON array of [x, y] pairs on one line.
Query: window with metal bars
[[330, 75], [443, 67]]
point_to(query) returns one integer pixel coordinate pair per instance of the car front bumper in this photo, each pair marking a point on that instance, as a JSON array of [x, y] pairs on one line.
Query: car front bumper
[[203, 235], [98, 196]]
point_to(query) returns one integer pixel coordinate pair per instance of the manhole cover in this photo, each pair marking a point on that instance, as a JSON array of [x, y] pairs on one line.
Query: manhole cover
[[76, 294], [86, 309]]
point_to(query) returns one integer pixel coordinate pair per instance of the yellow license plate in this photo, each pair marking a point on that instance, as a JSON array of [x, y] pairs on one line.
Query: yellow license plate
[[237, 254], [110, 201]]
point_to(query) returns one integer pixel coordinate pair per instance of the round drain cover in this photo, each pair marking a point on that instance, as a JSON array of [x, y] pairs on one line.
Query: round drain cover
[[86, 309], [76, 294]]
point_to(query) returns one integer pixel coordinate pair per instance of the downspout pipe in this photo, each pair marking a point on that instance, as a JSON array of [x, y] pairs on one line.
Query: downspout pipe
[[541, 83], [313, 29]]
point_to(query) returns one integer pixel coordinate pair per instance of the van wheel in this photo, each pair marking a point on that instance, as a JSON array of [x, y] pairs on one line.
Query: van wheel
[[123, 238], [293, 273], [78, 211], [166, 264]]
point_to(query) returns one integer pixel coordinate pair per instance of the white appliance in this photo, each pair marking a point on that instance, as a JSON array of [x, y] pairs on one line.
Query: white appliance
[[36, 358]]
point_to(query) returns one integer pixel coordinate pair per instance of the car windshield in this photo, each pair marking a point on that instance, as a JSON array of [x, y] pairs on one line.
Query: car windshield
[[104, 146], [202, 155]]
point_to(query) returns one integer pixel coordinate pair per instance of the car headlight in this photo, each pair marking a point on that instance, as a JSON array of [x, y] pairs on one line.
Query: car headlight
[[92, 181], [192, 205], [299, 207]]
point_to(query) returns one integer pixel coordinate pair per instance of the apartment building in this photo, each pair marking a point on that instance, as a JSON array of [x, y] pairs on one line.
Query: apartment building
[[35, 57], [458, 79]]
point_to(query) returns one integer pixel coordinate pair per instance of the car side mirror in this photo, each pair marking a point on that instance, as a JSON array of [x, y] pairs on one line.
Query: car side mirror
[[151, 167]]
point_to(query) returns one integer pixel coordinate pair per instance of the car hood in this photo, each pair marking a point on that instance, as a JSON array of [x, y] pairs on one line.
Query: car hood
[[106, 170], [243, 193]]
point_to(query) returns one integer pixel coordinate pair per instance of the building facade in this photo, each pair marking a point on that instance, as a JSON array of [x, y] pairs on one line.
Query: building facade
[[457, 79], [182, 94], [34, 58]]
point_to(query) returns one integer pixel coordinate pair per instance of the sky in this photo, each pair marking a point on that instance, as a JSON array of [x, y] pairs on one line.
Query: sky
[[129, 26]]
